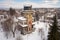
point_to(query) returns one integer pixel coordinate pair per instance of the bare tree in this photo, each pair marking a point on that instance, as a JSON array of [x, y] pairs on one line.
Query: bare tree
[[8, 27], [12, 11]]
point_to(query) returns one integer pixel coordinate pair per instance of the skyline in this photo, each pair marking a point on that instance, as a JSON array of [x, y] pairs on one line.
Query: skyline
[[34, 3]]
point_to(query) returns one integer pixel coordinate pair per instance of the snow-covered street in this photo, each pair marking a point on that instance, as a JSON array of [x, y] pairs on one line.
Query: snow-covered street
[[40, 33]]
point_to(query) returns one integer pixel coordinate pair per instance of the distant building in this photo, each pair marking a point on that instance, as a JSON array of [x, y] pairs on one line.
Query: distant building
[[49, 17]]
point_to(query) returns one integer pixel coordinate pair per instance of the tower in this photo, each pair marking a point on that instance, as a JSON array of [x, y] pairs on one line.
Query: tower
[[27, 13], [28, 7]]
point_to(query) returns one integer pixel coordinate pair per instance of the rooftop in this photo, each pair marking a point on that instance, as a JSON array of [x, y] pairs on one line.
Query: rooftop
[[21, 18]]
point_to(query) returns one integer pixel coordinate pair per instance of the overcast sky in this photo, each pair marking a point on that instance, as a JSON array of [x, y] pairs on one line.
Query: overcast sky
[[34, 3]]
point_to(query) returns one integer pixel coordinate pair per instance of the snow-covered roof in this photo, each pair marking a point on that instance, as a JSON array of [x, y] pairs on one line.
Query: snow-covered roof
[[52, 10], [17, 12], [58, 20], [50, 16], [33, 22], [21, 18], [23, 25]]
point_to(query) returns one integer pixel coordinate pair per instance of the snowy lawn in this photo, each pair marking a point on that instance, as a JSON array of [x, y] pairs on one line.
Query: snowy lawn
[[40, 33]]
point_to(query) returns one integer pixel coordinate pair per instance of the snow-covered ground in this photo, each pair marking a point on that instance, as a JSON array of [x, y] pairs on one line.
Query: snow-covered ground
[[40, 33]]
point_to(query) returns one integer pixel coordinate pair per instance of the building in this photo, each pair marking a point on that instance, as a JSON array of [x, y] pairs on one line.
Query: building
[[27, 19]]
